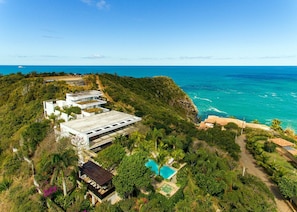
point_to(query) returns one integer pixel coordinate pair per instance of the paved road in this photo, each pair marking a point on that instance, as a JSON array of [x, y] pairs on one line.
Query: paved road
[[249, 163]]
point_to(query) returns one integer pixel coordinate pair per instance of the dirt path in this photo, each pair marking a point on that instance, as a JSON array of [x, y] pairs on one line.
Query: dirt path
[[101, 88], [249, 163]]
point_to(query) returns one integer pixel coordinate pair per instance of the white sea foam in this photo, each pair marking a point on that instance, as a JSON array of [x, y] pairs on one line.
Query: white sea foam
[[263, 96], [294, 95], [203, 99], [216, 110]]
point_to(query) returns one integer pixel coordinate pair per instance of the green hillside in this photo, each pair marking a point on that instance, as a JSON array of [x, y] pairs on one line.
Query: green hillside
[[159, 100], [208, 178]]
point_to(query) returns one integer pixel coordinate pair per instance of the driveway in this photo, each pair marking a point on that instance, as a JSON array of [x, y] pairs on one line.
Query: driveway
[[247, 161]]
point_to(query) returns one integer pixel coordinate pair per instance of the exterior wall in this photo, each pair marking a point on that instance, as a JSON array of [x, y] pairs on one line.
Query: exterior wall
[[86, 114], [61, 103], [87, 106], [64, 116], [48, 107], [77, 138]]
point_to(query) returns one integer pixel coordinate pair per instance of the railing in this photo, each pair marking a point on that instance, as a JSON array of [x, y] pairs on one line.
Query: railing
[[101, 196], [96, 192]]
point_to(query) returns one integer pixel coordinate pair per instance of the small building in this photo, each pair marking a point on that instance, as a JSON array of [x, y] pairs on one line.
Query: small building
[[211, 120], [98, 130], [98, 181], [286, 148], [282, 142]]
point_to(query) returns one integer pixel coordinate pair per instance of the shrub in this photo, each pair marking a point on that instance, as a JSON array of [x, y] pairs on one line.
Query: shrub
[[159, 178], [5, 184], [176, 165], [73, 109], [269, 146], [231, 125]]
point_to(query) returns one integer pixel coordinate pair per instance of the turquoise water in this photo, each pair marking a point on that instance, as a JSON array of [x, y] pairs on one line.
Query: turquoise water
[[166, 172], [245, 92]]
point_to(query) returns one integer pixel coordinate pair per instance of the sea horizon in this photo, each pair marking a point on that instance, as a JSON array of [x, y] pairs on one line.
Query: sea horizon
[[249, 93]]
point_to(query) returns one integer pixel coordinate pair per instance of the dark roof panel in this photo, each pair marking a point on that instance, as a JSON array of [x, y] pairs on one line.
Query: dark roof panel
[[96, 173]]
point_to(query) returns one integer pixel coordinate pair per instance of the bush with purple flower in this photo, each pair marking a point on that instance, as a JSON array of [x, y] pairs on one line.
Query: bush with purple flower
[[49, 191]]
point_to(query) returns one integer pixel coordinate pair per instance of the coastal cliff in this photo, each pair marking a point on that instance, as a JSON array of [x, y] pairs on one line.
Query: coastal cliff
[[156, 99]]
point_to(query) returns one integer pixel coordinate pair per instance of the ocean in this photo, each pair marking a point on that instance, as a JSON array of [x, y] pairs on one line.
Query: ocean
[[245, 92]]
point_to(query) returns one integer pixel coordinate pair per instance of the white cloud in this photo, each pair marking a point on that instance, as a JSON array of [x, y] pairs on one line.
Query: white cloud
[[277, 57], [95, 56], [195, 57], [102, 5], [51, 37], [89, 2]]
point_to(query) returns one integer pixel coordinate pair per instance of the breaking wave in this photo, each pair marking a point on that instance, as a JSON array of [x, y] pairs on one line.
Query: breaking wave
[[203, 99], [216, 110]]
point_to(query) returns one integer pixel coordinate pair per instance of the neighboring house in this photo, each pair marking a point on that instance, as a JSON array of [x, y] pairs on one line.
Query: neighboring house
[[282, 142], [87, 101], [98, 130], [286, 148], [98, 181], [211, 120]]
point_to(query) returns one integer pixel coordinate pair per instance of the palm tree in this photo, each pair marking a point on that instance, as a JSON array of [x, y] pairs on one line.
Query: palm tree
[[59, 162], [135, 139], [178, 154], [171, 141], [161, 159], [120, 139], [156, 135]]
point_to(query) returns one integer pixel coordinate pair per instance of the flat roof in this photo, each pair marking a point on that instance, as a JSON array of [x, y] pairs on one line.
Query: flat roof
[[96, 173], [101, 123], [84, 93], [282, 142]]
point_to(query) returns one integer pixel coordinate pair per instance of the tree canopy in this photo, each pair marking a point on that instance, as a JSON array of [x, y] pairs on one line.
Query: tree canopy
[[132, 174], [111, 156]]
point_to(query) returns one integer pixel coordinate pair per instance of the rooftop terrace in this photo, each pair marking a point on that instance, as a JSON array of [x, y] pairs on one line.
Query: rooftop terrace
[[102, 123]]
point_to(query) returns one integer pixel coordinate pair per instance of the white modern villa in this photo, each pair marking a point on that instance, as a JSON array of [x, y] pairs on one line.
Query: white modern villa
[[94, 128], [95, 131], [89, 130]]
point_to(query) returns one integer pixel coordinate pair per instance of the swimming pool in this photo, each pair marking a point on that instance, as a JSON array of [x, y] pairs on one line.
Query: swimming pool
[[166, 172]]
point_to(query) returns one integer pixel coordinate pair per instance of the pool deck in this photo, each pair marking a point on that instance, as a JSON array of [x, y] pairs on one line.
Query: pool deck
[[159, 186], [171, 182]]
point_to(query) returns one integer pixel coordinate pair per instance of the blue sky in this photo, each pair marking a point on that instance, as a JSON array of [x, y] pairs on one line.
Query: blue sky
[[148, 32]]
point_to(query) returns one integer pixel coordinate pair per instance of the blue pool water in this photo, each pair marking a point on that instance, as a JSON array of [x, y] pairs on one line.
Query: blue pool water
[[166, 172]]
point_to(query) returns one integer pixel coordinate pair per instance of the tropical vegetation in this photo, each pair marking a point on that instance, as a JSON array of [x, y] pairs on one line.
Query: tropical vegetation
[[39, 172]]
